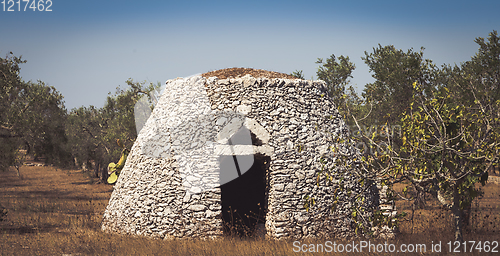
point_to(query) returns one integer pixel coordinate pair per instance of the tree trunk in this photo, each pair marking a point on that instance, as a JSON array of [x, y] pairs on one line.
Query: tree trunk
[[18, 172], [467, 217], [457, 215], [97, 167], [104, 173], [419, 202]]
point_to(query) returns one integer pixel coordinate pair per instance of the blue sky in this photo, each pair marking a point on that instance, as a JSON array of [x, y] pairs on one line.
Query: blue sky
[[87, 48]]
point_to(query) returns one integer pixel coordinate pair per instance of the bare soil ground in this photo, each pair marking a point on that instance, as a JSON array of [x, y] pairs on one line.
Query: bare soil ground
[[58, 212], [239, 72]]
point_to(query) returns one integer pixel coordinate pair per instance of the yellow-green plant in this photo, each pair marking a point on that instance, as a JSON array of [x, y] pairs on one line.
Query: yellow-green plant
[[114, 169]]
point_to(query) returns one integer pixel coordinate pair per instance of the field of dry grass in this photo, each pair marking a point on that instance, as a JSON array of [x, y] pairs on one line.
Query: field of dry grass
[[58, 212]]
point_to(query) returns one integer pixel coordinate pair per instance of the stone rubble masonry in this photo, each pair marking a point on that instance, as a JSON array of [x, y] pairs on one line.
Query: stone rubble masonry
[[295, 122]]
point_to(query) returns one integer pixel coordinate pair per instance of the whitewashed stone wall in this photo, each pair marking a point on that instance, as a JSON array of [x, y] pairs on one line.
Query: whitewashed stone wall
[[160, 195]]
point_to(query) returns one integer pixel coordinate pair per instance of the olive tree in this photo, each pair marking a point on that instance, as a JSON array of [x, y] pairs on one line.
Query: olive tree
[[450, 129], [450, 135], [32, 117], [93, 132]]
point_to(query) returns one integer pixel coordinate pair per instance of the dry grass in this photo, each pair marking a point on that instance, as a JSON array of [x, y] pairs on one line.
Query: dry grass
[[434, 223], [58, 212], [484, 221]]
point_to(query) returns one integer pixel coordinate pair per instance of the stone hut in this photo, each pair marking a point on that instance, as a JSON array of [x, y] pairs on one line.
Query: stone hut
[[236, 150]]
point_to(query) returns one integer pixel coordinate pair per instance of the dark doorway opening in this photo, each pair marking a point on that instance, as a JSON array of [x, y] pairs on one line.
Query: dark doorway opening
[[244, 199]]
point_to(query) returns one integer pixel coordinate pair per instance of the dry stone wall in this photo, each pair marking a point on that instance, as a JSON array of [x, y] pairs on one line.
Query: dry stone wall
[[291, 121]]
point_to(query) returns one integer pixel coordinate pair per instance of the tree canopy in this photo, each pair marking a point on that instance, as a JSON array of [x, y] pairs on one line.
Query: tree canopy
[[34, 120], [450, 125], [395, 71], [32, 117], [93, 132]]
